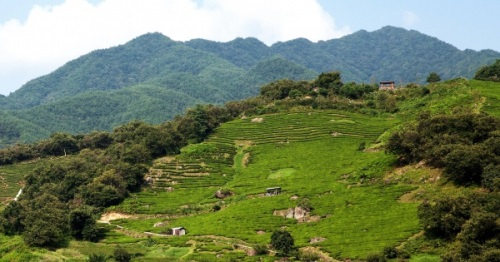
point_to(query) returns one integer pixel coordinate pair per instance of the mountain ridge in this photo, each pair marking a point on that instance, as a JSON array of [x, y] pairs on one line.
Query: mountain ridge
[[204, 71]]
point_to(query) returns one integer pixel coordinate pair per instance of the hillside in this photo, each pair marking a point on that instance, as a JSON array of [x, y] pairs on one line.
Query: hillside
[[343, 194], [154, 78]]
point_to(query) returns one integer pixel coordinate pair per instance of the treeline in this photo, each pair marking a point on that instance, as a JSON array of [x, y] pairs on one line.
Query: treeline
[[326, 84], [467, 147]]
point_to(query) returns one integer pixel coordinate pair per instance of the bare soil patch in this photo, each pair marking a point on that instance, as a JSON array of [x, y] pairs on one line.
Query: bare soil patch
[[316, 240], [257, 120], [107, 217]]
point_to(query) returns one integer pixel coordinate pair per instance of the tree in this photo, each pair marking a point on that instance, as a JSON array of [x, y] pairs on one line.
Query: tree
[[11, 219], [463, 164], [329, 81], [445, 218], [59, 144], [433, 78], [489, 73], [282, 241], [83, 225], [46, 223]]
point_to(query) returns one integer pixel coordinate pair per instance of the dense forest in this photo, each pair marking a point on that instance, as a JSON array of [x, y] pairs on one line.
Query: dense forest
[[153, 78]]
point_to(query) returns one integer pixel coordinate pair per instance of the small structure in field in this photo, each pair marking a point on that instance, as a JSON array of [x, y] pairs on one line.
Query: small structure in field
[[178, 231], [273, 191], [387, 85]]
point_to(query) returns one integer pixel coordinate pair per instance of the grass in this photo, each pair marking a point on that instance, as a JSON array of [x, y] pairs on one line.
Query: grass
[[489, 90], [282, 173], [360, 202], [311, 155], [11, 178]]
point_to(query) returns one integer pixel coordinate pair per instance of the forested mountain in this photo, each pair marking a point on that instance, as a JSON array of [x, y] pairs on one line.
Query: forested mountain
[[153, 78]]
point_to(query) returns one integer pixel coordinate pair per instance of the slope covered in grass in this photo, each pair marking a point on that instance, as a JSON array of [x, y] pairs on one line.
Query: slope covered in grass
[[351, 209], [328, 162]]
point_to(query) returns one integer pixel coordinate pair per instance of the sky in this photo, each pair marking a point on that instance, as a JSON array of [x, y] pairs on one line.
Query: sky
[[38, 36]]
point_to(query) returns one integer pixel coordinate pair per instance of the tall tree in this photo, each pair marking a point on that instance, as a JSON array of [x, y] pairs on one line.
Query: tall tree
[[433, 78]]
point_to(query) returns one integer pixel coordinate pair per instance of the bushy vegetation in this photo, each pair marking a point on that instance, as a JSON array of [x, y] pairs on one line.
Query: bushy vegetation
[[464, 144], [97, 170], [470, 224], [489, 73], [283, 242]]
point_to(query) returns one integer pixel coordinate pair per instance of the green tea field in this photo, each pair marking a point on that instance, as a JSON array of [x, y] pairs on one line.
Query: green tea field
[[327, 159]]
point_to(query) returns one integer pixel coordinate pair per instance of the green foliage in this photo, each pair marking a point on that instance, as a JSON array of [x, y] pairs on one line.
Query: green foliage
[[489, 73], [121, 255], [433, 78], [284, 88], [491, 178], [260, 249], [356, 91], [83, 225], [470, 223], [329, 81], [45, 222], [283, 242], [308, 256], [390, 252], [464, 144], [153, 78], [375, 258], [98, 258], [444, 218], [11, 219]]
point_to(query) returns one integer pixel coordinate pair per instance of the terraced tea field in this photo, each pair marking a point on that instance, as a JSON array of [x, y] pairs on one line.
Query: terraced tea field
[[11, 180], [491, 101], [314, 157]]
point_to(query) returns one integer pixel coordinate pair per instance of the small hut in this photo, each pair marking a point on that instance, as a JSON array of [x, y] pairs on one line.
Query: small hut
[[178, 231], [273, 191], [387, 85]]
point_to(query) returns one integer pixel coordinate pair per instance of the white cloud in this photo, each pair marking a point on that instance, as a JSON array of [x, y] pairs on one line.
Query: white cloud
[[53, 35], [410, 19]]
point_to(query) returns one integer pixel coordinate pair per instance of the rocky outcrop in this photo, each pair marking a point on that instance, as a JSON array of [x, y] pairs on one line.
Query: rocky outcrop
[[221, 194], [298, 213]]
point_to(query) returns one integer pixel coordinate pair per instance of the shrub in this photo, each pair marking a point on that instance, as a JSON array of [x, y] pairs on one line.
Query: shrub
[[121, 255], [489, 73], [425, 91], [491, 178], [308, 256], [260, 249], [98, 258], [445, 218], [390, 252], [403, 254], [282, 241], [433, 78], [375, 258]]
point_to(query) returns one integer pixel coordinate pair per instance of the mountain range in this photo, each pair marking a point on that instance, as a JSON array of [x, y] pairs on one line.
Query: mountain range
[[153, 78]]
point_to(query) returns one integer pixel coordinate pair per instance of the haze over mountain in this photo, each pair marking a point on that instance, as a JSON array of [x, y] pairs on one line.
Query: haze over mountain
[[153, 78]]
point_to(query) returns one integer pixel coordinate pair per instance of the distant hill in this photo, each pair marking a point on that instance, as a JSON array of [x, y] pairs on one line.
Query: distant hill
[[153, 78]]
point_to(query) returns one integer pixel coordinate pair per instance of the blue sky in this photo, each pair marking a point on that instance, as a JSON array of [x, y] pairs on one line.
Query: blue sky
[[38, 36]]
